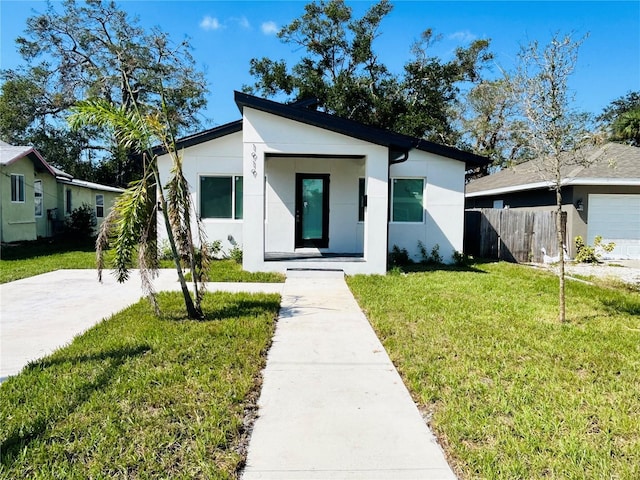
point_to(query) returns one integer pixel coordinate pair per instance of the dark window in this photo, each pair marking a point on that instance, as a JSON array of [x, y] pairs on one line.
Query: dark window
[[238, 198], [17, 187], [68, 207], [99, 205], [221, 197], [407, 200], [361, 199]]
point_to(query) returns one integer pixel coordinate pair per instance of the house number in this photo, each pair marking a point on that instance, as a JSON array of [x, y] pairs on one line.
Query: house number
[[254, 160]]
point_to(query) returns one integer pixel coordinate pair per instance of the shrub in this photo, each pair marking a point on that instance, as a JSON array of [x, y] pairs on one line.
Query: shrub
[[459, 258], [215, 248], [235, 254], [81, 223], [591, 254], [399, 257], [433, 258]]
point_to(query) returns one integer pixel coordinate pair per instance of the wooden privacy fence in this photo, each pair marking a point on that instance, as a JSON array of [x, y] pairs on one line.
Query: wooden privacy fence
[[511, 235]]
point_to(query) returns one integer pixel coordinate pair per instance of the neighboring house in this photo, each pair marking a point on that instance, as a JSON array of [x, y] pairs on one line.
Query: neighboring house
[[35, 197], [600, 198], [298, 188]]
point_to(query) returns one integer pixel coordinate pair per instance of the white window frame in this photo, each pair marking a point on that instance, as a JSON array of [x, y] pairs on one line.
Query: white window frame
[[233, 178], [38, 198], [17, 187], [424, 207], [100, 204]]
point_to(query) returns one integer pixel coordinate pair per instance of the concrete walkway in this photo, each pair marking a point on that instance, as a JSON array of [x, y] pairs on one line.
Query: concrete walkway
[[332, 404], [43, 313]]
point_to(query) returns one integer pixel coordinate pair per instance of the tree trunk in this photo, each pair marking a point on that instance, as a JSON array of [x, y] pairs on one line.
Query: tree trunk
[[192, 311], [560, 241]]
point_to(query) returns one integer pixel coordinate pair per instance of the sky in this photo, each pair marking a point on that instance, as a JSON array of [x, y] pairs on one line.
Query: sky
[[226, 35]]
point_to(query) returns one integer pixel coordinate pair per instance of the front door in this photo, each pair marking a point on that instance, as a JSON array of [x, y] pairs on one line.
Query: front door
[[312, 210]]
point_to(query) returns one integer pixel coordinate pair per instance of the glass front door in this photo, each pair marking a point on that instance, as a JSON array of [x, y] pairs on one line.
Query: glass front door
[[312, 210]]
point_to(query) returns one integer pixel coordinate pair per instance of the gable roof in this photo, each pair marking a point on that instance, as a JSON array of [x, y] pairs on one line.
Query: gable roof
[[397, 143], [609, 164], [394, 141], [12, 153]]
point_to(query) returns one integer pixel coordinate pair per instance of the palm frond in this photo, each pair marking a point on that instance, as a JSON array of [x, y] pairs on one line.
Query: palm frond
[[133, 218], [129, 127]]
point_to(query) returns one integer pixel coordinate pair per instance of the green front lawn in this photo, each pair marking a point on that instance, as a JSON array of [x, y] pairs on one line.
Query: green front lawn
[[34, 258], [509, 391], [141, 397], [227, 270]]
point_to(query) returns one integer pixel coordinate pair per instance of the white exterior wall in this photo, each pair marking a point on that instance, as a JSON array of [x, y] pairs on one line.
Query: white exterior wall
[[221, 156], [444, 204], [269, 207], [266, 134], [345, 232]]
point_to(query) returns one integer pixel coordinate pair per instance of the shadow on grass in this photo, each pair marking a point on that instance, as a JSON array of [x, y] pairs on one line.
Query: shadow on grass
[[227, 310], [439, 267], [40, 420], [43, 247], [241, 308], [118, 354], [623, 305]]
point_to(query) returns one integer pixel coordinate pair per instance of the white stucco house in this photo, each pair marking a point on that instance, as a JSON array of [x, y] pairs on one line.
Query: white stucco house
[[297, 188]]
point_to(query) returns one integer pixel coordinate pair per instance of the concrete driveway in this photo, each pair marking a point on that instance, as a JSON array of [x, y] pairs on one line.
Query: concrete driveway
[[42, 313]]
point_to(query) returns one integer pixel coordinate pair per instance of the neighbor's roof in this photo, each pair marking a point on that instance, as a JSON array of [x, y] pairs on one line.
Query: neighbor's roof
[[300, 112], [13, 153], [609, 164], [85, 184]]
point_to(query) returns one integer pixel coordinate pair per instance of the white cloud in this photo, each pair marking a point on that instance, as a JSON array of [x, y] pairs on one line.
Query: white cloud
[[243, 22], [269, 28], [463, 36], [210, 23]]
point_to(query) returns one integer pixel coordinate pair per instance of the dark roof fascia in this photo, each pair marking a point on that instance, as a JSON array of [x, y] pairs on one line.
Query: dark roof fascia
[[470, 159], [326, 121], [394, 141], [205, 136]]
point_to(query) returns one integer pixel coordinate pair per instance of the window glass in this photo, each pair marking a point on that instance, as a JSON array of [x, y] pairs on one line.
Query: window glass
[[37, 197], [238, 199], [407, 200], [99, 205], [68, 201], [361, 199], [215, 197], [17, 187]]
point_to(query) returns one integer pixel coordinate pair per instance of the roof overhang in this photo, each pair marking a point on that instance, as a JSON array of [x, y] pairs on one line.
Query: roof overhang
[[399, 145], [89, 185], [325, 121], [618, 182], [39, 163]]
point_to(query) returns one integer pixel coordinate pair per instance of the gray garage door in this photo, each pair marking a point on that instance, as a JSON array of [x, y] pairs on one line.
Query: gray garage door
[[616, 218]]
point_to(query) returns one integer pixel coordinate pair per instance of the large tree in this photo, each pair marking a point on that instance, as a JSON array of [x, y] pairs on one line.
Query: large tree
[[556, 133], [86, 51], [621, 119], [431, 89], [340, 67], [491, 125]]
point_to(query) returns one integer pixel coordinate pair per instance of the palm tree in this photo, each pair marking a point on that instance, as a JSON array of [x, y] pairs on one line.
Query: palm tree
[[129, 227], [626, 127]]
